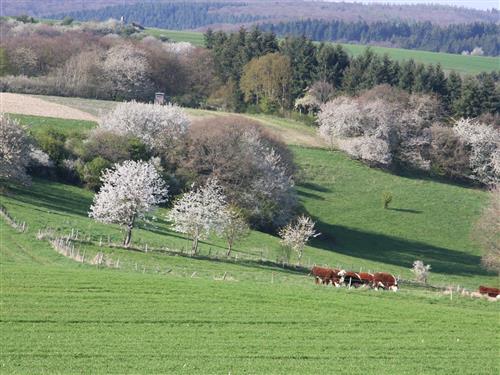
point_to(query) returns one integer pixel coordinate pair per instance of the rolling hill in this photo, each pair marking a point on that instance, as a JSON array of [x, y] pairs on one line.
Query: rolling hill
[[459, 63], [164, 311]]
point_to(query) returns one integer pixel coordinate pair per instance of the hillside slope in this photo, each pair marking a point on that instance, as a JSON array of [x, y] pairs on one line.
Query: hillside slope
[[449, 61]]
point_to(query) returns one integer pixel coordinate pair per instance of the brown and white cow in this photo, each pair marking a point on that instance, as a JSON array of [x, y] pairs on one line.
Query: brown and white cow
[[491, 292], [352, 279], [366, 278], [327, 276], [385, 281]]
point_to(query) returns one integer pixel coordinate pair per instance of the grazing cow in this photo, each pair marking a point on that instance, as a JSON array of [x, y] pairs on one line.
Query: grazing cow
[[352, 279], [327, 275], [366, 278], [385, 281], [491, 292]]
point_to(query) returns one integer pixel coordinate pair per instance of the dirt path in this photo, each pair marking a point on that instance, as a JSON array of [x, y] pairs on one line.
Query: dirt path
[[28, 105]]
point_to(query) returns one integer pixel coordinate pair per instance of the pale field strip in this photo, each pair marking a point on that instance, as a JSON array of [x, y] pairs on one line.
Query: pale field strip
[[28, 105]]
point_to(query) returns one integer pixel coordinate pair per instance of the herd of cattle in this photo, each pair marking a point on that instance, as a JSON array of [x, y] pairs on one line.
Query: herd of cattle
[[336, 277], [382, 280]]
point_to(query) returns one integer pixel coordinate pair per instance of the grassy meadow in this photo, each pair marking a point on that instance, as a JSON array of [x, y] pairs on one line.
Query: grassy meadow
[[162, 311], [449, 61]]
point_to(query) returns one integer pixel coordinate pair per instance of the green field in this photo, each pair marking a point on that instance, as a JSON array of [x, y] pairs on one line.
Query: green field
[[459, 63], [165, 312]]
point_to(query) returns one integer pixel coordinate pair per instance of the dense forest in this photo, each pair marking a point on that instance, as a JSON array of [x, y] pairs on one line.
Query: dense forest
[[338, 73], [456, 38], [277, 10], [168, 15]]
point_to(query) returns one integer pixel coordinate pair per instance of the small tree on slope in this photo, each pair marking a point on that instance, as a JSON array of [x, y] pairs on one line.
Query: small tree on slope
[[234, 226], [295, 235], [199, 212], [128, 192]]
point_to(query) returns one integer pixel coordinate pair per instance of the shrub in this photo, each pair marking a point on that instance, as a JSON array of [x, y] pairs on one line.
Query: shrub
[[448, 153], [386, 199], [254, 168], [114, 147], [421, 271], [52, 142], [91, 172]]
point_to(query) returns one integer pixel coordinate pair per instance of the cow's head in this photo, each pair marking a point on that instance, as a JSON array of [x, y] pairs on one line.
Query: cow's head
[[394, 288]]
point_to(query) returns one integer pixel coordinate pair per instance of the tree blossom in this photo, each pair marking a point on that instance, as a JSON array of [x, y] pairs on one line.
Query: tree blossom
[[15, 150], [129, 191], [154, 124], [126, 70], [484, 143], [199, 212], [421, 271], [296, 234]]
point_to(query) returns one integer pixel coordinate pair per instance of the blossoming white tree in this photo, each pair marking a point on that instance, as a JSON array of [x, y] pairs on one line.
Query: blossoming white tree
[[484, 144], [341, 117], [296, 234], [272, 187], [129, 191], [199, 212], [15, 151], [421, 271], [127, 72], [153, 124]]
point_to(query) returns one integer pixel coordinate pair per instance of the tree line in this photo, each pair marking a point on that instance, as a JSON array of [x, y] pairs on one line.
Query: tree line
[[181, 15], [262, 73], [477, 37]]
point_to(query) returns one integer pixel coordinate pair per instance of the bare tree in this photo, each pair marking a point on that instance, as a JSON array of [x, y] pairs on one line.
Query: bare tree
[[487, 233], [15, 151], [234, 226], [129, 191]]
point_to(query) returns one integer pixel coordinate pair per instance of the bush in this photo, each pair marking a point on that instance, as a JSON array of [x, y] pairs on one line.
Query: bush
[[90, 173], [254, 168], [448, 154], [115, 148], [52, 142], [386, 199], [421, 271]]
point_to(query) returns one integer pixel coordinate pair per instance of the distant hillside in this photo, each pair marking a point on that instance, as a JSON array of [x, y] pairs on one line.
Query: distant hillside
[[280, 10], [425, 36]]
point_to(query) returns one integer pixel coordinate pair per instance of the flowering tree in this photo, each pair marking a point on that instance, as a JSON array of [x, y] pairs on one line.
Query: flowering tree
[[421, 271], [153, 124], [127, 72], [271, 193], [199, 212], [484, 144], [296, 234], [129, 191], [15, 151], [234, 226], [341, 117]]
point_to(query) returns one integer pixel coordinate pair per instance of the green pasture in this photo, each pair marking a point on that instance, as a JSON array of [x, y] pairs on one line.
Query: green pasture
[[163, 311], [449, 61]]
